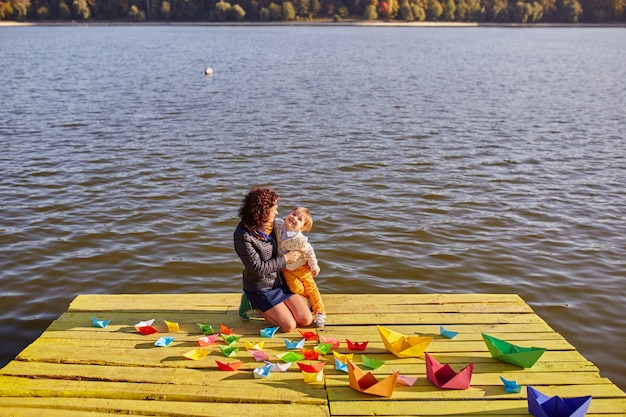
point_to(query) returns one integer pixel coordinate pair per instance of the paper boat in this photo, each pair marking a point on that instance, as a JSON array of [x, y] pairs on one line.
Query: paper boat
[[263, 371], [207, 340], [278, 367], [447, 333], [323, 348], [294, 345], [225, 330], [311, 367], [356, 345], [253, 345], [164, 341], [290, 356], [334, 342], [371, 363], [443, 376], [172, 326], [310, 354], [196, 354], [229, 351], [146, 330], [229, 366], [510, 386], [311, 377], [407, 380], [343, 357], [269, 331], [540, 405], [229, 339], [99, 323], [524, 357], [206, 329], [309, 335], [341, 366], [368, 384], [403, 346], [259, 355]]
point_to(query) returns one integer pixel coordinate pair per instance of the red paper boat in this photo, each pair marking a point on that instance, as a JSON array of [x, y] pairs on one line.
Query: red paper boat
[[311, 367], [356, 345], [147, 330], [228, 366], [443, 376]]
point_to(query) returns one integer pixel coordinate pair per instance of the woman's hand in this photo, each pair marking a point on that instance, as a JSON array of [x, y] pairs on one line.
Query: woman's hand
[[293, 256]]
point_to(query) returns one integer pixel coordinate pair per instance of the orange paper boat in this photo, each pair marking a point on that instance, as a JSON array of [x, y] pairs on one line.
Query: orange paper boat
[[403, 346], [443, 376], [310, 354], [309, 335], [368, 384]]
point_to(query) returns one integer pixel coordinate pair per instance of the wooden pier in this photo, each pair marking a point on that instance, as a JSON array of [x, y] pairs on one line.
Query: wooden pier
[[76, 369]]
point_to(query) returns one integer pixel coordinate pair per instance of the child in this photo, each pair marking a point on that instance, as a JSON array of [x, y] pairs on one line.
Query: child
[[299, 274]]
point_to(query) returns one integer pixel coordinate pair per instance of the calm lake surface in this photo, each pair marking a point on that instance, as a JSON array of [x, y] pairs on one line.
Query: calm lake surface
[[434, 160]]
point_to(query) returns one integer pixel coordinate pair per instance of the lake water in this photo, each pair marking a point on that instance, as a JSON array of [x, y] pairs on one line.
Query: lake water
[[434, 160]]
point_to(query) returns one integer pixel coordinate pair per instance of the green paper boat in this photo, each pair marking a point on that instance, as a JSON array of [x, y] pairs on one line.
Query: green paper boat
[[229, 351], [290, 356], [371, 363], [524, 357]]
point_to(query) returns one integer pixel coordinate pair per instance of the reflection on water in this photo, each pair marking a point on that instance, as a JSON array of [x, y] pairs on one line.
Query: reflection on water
[[457, 160]]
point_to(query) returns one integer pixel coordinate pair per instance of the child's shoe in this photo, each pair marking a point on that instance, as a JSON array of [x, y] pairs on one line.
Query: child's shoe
[[244, 307], [319, 320]]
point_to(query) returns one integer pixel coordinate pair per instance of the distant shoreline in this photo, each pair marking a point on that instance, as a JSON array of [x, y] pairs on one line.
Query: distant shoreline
[[328, 22]]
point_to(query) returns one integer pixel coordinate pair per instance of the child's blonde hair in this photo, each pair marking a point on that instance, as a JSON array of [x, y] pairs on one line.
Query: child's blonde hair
[[307, 220]]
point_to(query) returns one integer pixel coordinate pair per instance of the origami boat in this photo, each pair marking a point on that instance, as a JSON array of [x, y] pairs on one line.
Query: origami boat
[[524, 357], [367, 382], [403, 346], [443, 376], [540, 405]]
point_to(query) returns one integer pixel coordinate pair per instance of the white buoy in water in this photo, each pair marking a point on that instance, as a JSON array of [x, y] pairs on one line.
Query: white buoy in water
[[208, 72]]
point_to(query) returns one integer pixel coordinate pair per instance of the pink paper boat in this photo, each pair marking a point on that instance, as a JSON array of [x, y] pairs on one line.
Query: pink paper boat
[[443, 376]]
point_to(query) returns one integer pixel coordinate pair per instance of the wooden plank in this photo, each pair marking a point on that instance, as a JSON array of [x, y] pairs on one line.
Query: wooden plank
[[215, 301], [427, 391], [96, 407], [443, 408], [244, 389]]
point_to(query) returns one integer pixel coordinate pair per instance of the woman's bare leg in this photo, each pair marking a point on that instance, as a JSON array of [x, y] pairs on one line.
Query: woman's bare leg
[[299, 307], [289, 314]]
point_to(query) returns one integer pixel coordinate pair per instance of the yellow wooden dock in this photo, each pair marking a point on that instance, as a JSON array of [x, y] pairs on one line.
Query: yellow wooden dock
[[76, 369]]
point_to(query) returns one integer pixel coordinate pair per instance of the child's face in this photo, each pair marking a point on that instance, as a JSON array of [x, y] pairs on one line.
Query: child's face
[[294, 221]]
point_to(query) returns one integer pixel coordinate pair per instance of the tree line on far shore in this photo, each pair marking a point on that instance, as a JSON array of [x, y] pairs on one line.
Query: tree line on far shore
[[489, 11]]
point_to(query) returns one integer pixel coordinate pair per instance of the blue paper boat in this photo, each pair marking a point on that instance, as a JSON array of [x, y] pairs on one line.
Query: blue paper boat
[[99, 323], [540, 405], [164, 341], [269, 331], [340, 366], [510, 386], [447, 333], [294, 345]]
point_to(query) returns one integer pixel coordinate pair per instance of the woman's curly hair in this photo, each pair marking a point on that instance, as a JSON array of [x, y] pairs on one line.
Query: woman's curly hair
[[255, 208]]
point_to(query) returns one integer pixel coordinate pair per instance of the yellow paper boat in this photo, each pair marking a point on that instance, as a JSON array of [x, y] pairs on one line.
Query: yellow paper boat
[[368, 384], [312, 377], [403, 346]]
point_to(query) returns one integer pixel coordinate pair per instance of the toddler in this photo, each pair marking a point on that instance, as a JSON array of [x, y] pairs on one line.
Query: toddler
[[299, 274]]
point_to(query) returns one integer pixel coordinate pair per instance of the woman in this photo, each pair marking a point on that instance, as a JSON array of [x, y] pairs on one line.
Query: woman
[[263, 283]]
